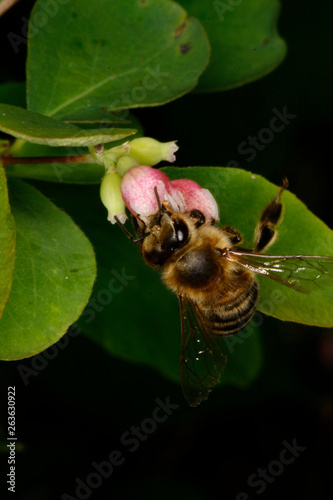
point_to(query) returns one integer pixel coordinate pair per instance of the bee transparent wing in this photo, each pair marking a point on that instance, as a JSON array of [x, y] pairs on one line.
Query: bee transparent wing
[[304, 273], [202, 361]]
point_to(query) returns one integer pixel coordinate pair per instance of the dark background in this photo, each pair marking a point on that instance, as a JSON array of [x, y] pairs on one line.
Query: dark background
[[74, 411]]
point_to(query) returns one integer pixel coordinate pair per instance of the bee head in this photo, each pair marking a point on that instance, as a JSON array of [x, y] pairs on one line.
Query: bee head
[[166, 232], [169, 234]]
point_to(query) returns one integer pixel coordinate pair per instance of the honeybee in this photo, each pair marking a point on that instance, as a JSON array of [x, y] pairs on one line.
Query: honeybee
[[215, 281]]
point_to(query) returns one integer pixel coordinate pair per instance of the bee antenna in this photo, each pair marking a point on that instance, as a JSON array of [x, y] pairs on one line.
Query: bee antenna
[[141, 238], [161, 208]]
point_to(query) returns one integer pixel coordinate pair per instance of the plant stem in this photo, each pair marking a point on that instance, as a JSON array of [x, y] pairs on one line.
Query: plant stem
[[13, 160]]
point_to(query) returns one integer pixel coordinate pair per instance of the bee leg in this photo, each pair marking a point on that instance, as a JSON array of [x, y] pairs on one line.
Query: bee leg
[[266, 231], [233, 234], [197, 216]]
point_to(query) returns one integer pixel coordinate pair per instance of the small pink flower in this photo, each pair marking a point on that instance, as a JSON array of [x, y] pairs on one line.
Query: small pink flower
[[138, 192], [197, 197], [137, 189]]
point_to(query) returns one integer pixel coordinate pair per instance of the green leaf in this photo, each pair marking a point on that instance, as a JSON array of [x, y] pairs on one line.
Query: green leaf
[[4, 146], [244, 40], [99, 115], [52, 279], [130, 312], [39, 129], [241, 197], [244, 356], [7, 242], [13, 93], [117, 55]]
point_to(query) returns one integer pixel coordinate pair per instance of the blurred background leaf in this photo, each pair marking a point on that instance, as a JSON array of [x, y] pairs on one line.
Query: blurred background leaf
[[13, 93], [244, 40]]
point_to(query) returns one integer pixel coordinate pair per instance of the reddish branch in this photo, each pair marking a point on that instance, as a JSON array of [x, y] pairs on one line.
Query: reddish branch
[[13, 160]]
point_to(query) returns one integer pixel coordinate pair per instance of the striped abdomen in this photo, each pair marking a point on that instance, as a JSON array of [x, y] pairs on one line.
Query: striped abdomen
[[233, 307]]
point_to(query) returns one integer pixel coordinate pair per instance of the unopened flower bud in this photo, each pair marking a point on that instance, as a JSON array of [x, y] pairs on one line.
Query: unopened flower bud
[[111, 197], [125, 163], [150, 152], [197, 197]]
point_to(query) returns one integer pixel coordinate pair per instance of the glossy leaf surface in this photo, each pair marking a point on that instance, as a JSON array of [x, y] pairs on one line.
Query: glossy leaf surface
[[119, 55], [7, 242], [40, 129], [52, 278]]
